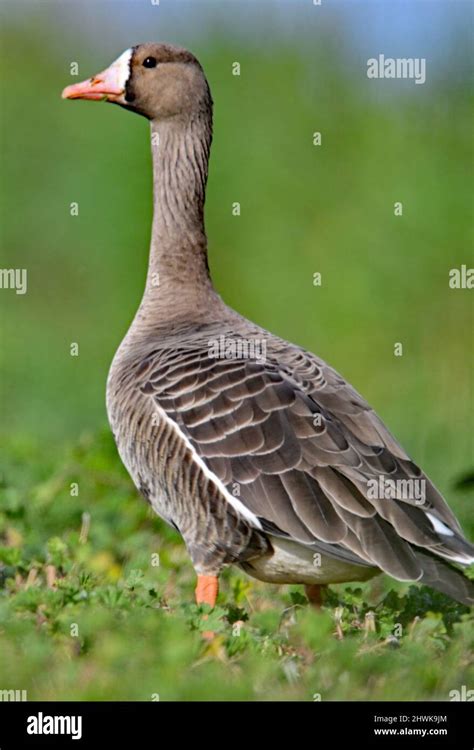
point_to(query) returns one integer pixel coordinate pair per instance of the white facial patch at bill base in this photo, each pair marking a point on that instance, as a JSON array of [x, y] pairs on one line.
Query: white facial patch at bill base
[[119, 71]]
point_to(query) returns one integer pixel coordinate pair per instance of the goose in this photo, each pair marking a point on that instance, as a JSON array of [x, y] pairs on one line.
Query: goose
[[254, 449]]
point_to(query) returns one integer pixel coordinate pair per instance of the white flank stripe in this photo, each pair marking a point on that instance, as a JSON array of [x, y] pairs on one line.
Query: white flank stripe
[[439, 526], [235, 502]]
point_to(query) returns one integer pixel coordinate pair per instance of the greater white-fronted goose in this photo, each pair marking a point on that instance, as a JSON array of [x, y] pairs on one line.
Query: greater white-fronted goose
[[257, 451]]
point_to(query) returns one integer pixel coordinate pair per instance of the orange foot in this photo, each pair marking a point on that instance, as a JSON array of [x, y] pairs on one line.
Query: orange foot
[[206, 593]]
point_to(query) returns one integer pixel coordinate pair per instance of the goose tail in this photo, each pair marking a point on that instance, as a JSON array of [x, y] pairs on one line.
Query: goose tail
[[444, 577]]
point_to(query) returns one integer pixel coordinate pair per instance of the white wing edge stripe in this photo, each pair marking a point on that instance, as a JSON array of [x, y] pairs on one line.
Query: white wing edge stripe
[[235, 502]]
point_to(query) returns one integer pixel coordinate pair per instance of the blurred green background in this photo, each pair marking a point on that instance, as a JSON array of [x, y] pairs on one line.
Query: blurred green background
[[304, 209]]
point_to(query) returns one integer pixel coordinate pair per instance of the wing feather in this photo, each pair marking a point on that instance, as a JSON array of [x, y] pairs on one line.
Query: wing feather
[[304, 448]]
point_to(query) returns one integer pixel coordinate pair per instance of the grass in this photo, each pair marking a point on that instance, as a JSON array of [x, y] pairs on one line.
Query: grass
[[119, 622]]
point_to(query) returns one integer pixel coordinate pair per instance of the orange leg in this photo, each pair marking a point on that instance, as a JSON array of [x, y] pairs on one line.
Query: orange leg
[[206, 590], [206, 593], [314, 593]]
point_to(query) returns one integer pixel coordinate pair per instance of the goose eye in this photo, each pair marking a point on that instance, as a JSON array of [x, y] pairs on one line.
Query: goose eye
[[149, 62]]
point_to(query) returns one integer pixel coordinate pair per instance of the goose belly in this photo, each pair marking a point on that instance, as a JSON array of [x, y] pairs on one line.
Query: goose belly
[[290, 562]]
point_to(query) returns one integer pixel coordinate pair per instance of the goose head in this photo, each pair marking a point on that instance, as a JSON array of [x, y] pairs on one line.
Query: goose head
[[157, 81]]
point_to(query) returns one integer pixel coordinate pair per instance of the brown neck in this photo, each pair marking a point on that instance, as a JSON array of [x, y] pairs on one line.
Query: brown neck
[[178, 273]]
